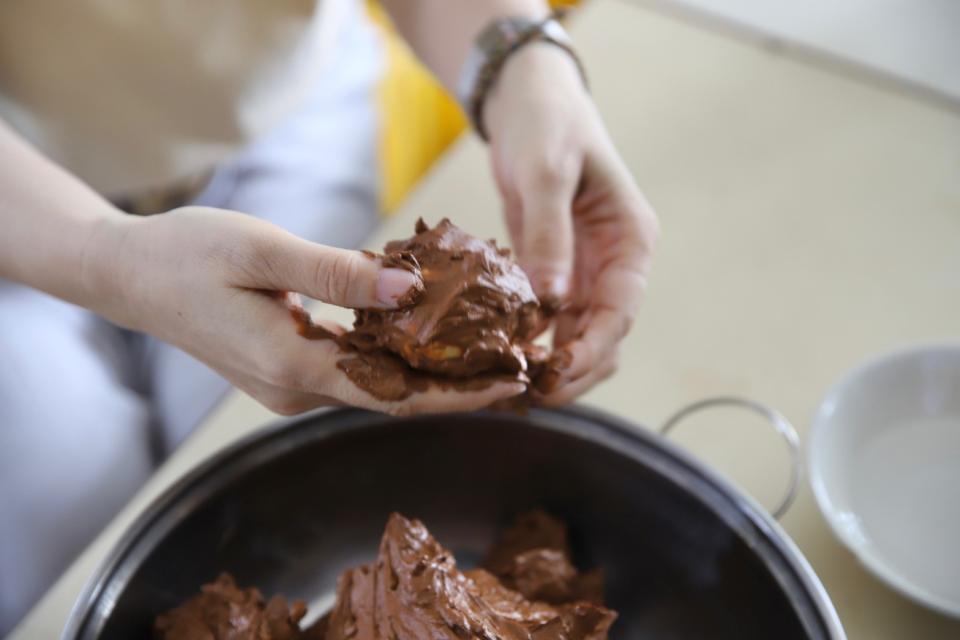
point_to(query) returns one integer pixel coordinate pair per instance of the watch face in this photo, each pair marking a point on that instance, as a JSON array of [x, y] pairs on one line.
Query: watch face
[[503, 33], [511, 29]]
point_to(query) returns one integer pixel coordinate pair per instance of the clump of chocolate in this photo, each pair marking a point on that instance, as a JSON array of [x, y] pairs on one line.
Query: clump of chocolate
[[475, 315], [415, 590], [533, 558], [223, 611], [472, 323], [527, 589]]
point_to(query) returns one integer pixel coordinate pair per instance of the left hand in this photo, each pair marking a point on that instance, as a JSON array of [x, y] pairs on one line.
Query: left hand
[[582, 230]]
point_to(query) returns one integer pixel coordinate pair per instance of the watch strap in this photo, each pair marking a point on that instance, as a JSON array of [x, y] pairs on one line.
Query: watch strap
[[493, 47]]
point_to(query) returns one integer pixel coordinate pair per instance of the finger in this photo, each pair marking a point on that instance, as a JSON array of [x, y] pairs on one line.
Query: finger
[[282, 261], [294, 364], [615, 298], [597, 344], [439, 398], [546, 249], [512, 213], [567, 393], [567, 326], [273, 351]]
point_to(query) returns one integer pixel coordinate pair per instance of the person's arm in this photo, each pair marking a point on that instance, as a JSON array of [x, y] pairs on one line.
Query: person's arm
[[581, 228], [202, 279], [441, 32], [49, 219]]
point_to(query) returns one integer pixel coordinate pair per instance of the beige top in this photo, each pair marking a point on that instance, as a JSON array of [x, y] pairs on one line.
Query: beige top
[[134, 95]]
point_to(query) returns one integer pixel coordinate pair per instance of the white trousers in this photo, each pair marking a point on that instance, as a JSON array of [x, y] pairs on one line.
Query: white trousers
[[87, 410]]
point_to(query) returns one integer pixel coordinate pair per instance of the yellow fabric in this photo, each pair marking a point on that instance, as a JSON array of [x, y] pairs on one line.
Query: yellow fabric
[[420, 119]]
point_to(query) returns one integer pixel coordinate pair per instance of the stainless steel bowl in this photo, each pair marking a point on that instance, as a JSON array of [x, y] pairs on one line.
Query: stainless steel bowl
[[685, 554]]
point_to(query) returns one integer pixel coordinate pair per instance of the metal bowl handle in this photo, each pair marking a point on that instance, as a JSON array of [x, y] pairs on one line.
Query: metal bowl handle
[[779, 422]]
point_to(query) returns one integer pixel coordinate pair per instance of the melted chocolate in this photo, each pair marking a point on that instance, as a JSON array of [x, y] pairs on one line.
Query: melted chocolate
[[533, 558], [414, 590], [527, 590], [469, 325], [224, 611], [380, 373], [475, 315]]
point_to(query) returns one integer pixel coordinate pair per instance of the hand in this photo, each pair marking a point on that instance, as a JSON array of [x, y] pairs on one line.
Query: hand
[[582, 230], [205, 280]]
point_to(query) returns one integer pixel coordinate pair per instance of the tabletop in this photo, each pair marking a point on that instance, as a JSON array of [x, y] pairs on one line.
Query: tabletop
[[809, 221]]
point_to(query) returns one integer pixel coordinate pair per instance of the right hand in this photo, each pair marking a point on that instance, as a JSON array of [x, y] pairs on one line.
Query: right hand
[[205, 279]]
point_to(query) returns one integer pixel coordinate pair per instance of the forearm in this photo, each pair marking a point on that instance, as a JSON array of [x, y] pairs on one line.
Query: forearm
[[441, 32], [49, 220]]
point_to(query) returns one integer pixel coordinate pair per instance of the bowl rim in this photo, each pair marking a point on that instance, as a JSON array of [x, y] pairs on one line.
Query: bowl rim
[[876, 563], [608, 430]]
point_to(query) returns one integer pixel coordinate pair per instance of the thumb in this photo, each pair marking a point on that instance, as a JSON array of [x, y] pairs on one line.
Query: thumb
[[546, 248], [353, 279]]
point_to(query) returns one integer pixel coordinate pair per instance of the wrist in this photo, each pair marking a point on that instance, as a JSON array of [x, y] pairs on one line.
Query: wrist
[[100, 263], [536, 77], [499, 46]]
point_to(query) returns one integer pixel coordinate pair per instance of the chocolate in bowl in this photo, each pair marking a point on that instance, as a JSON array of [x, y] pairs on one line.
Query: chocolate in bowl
[[683, 553]]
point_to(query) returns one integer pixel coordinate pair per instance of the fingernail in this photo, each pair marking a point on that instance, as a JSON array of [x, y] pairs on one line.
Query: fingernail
[[552, 289], [397, 287], [517, 388]]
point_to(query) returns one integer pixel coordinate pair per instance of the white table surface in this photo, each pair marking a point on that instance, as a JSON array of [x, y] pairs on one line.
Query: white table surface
[[911, 43], [809, 221]]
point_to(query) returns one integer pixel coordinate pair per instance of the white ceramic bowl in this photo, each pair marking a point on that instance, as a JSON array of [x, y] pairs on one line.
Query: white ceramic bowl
[[884, 456]]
